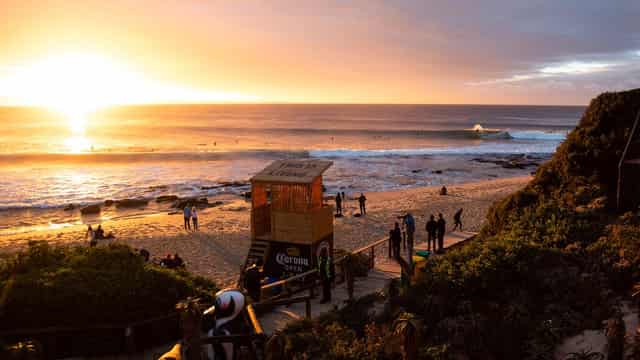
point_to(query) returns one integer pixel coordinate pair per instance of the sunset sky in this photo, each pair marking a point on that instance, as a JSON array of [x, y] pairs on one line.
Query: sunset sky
[[499, 52]]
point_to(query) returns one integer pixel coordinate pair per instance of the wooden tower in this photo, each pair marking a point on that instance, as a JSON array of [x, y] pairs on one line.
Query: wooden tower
[[290, 223]]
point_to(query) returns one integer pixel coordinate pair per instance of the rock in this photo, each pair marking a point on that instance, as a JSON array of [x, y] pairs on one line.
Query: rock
[[108, 202], [416, 171], [91, 209], [437, 171], [69, 207], [166, 198], [131, 203], [198, 202], [247, 194]]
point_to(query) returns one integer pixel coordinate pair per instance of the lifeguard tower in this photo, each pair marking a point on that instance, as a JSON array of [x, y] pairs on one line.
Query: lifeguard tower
[[290, 223]]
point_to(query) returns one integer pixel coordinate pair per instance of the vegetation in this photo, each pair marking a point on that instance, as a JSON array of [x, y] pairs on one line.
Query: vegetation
[[550, 262], [46, 286]]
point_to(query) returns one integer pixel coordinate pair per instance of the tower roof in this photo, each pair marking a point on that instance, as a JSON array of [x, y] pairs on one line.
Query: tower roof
[[292, 171]]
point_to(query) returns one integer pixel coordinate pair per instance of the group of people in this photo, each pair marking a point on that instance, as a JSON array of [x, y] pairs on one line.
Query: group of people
[[98, 234], [435, 229], [172, 261], [341, 198], [190, 217]]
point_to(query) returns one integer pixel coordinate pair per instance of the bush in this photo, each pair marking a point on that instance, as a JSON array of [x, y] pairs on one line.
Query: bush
[[47, 286]]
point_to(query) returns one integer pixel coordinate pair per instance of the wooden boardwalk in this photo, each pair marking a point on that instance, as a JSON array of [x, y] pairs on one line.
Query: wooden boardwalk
[[385, 270]]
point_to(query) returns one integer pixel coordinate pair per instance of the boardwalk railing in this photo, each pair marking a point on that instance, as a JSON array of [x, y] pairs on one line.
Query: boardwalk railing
[[308, 280]]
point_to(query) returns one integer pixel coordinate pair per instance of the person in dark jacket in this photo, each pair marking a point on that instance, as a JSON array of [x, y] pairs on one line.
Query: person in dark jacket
[[363, 204], [457, 220], [441, 227], [410, 226], [326, 270], [431, 233], [396, 239], [252, 280], [338, 204]]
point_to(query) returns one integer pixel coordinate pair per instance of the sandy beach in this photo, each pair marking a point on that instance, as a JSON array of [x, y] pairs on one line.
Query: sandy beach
[[219, 249]]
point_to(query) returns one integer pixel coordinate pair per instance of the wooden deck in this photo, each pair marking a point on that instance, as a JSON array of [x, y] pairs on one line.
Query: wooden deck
[[385, 270]]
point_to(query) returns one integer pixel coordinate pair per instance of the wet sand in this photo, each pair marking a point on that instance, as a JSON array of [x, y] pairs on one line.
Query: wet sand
[[219, 249]]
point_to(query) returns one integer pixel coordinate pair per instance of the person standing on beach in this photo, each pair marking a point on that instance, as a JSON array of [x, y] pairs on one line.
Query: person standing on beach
[[338, 204], [431, 233], [362, 200], [325, 268], [457, 221], [344, 199], [194, 218], [410, 226], [396, 239], [441, 227], [187, 217]]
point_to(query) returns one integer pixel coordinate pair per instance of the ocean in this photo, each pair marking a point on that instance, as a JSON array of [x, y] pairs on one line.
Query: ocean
[[48, 161]]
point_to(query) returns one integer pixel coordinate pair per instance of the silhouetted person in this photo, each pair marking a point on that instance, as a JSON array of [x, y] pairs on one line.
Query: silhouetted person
[[187, 217], [252, 279], [194, 218], [457, 221], [325, 268], [167, 261], [440, 229], [338, 204], [177, 261], [410, 227], [431, 228], [144, 254], [362, 200], [396, 239], [349, 276], [443, 190]]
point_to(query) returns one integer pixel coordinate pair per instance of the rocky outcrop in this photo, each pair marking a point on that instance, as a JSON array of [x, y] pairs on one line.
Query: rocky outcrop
[[166, 198], [131, 203], [90, 210]]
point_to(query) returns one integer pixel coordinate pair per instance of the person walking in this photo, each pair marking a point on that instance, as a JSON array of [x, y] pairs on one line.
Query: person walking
[[410, 227], [396, 239], [362, 200], [457, 221], [338, 204], [194, 218], [187, 217], [441, 227], [431, 233], [326, 270]]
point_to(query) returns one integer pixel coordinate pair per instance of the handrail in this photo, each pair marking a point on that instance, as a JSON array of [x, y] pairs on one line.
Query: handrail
[[257, 328], [624, 155], [311, 272]]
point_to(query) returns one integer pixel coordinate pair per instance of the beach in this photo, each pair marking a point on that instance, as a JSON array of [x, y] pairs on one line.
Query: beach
[[219, 249]]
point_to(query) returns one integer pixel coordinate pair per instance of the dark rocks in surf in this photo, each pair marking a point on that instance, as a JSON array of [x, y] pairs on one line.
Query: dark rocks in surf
[[231, 184], [109, 202], [197, 202], [416, 171], [247, 194], [516, 161], [131, 203], [437, 171], [166, 198], [90, 210], [69, 207]]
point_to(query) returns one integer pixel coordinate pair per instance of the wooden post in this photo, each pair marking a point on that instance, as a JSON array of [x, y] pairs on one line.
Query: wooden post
[[308, 308], [130, 340], [372, 263]]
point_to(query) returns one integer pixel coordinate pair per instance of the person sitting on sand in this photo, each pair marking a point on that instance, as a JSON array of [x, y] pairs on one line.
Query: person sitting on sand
[[187, 217], [443, 191], [362, 200], [338, 204], [194, 218], [144, 253], [457, 221], [177, 261], [91, 235]]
